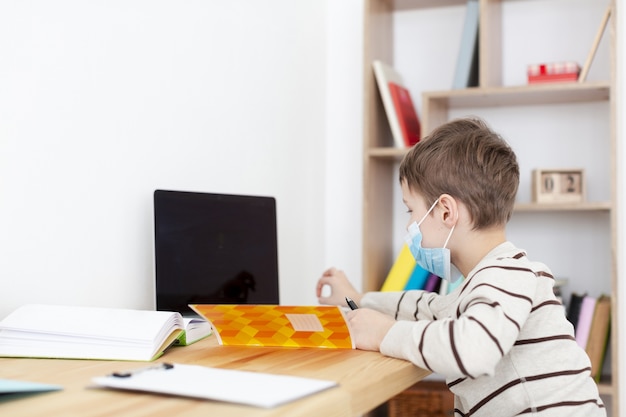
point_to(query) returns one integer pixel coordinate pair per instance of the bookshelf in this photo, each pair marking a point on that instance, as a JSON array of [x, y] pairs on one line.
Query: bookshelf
[[497, 98]]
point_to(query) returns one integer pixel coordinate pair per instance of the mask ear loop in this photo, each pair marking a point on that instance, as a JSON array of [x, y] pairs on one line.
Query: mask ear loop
[[428, 212], [449, 236], [451, 230]]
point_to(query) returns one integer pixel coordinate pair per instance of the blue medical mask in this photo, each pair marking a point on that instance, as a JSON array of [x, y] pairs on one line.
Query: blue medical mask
[[434, 260]]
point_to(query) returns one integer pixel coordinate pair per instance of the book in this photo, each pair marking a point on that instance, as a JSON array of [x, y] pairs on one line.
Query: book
[[405, 111], [194, 329], [432, 283], [74, 332], [573, 310], [417, 279], [585, 317], [444, 284], [257, 389], [400, 271], [594, 46], [597, 342], [466, 71], [277, 325], [401, 114]]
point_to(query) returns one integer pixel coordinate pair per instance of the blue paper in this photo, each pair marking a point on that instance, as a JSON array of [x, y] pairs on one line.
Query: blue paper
[[12, 386]]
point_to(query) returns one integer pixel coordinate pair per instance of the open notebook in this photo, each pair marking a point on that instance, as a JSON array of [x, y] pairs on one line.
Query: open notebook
[[55, 331]]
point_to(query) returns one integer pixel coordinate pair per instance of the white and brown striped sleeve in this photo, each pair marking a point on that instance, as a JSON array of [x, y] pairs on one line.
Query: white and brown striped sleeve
[[478, 330]]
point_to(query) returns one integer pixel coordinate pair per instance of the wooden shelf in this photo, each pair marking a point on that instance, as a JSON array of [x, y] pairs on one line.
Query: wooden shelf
[[522, 95], [388, 153], [425, 4], [605, 388], [435, 104], [543, 207]]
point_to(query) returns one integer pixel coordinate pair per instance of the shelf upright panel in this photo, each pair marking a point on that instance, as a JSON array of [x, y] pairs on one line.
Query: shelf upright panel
[[377, 180], [490, 43]]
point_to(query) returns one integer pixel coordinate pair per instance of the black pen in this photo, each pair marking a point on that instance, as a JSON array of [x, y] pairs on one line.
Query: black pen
[[128, 374], [351, 303]]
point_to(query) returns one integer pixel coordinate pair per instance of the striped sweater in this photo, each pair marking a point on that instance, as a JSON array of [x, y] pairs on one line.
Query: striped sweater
[[501, 340]]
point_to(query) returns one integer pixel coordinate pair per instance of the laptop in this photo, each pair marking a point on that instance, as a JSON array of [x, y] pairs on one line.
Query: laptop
[[214, 249]]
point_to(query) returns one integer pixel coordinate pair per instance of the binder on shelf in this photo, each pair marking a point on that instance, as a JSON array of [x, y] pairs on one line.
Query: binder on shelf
[[406, 113], [400, 271], [418, 278], [585, 317], [401, 114], [594, 46], [573, 311], [443, 286], [466, 71], [597, 342], [433, 283]]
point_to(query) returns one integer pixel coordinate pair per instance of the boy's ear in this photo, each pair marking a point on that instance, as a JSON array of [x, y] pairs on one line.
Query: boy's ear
[[449, 209]]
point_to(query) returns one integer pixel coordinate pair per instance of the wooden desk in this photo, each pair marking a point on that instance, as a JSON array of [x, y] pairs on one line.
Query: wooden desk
[[367, 379]]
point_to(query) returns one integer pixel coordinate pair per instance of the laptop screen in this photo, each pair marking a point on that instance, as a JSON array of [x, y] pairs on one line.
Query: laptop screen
[[214, 249]]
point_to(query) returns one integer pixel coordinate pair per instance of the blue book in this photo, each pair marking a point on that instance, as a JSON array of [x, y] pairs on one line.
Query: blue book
[[417, 279], [466, 73]]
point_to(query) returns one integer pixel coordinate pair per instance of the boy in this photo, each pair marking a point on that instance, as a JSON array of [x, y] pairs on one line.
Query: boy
[[501, 339]]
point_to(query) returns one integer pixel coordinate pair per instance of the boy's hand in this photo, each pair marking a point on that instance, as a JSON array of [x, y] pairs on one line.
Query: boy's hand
[[339, 286], [369, 328]]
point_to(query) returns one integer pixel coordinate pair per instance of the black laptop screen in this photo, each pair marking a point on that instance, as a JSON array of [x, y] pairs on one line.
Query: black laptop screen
[[214, 249]]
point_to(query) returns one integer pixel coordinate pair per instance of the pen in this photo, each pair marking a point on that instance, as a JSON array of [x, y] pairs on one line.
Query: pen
[[128, 374], [351, 303]]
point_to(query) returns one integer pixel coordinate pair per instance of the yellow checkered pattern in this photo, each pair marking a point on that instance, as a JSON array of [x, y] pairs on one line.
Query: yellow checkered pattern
[[268, 325]]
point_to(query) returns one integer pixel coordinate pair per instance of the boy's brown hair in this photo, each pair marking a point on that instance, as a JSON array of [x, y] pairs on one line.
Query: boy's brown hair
[[469, 161]]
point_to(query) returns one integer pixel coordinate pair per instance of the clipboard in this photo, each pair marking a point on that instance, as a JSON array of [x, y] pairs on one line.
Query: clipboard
[[228, 385]]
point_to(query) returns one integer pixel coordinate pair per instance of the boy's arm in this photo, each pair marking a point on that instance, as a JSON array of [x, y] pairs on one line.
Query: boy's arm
[[405, 305], [478, 330]]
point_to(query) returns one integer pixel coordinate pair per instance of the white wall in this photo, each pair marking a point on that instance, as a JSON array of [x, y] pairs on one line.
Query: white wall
[[344, 148], [103, 102]]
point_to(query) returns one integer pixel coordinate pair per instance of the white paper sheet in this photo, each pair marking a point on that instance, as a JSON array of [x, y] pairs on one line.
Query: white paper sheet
[[243, 387]]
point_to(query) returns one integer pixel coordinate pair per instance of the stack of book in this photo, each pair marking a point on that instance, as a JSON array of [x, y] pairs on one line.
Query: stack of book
[[591, 318], [406, 275]]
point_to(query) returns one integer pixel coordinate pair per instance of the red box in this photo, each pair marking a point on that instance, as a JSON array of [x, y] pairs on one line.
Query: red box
[[553, 72]]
